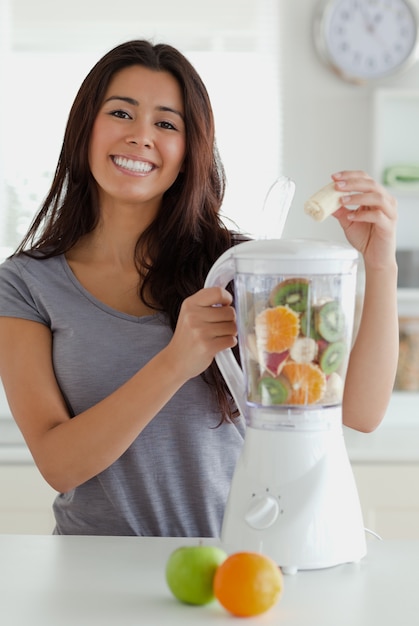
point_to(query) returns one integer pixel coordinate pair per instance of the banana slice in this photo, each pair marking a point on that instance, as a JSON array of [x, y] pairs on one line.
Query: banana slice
[[304, 350], [334, 389], [323, 203]]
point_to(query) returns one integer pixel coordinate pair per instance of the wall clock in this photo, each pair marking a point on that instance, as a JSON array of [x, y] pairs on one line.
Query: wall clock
[[363, 40]]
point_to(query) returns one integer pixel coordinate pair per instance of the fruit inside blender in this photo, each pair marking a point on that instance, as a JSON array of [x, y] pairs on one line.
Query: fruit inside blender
[[296, 344]]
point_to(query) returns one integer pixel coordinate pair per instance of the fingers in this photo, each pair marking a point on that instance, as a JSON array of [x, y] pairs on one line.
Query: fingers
[[209, 316], [366, 194], [212, 296], [206, 325], [368, 216], [209, 313]]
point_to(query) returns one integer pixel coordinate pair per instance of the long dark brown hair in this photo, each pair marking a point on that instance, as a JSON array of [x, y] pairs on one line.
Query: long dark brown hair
[[174, 254]]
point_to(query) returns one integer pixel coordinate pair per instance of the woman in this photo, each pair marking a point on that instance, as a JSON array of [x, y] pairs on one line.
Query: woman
[[107, 338]]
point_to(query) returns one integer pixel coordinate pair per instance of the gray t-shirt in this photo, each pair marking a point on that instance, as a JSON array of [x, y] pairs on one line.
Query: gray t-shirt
[[174, 478]]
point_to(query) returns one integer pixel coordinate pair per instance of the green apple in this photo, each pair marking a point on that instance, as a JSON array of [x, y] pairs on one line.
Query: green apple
[[190, 572]]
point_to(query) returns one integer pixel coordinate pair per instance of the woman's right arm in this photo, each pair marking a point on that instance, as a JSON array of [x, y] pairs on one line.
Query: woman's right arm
[[69, 451]]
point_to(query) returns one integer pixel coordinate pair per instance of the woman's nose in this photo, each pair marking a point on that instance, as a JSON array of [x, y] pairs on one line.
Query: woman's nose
[[140, 134]]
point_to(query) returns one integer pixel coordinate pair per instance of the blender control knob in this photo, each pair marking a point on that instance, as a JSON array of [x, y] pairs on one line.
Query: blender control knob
[[262, 512]]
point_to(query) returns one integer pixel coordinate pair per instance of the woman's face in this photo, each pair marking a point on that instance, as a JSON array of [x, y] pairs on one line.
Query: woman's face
[[138, 141]]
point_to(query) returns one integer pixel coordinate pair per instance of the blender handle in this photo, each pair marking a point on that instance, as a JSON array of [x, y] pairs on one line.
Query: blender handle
[[221, 273]]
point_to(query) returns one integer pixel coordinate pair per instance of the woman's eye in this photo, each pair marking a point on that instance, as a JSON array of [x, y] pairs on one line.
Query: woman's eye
[[167, 125], [123, 115]]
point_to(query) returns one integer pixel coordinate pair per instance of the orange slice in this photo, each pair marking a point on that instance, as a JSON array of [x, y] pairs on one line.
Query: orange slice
[[277, 328], [308, 382]]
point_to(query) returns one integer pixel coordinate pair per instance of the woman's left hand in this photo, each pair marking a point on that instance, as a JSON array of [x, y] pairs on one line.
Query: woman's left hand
[[371, 227]]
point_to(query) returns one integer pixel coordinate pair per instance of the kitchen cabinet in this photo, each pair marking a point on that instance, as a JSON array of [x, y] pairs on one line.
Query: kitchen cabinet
[[389, 498], [385, 465], [396, 119], [386, 469], [395, 143], [25, 501]]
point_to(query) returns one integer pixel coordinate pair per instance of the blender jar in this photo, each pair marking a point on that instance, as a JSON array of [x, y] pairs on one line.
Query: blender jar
[[295, 320]]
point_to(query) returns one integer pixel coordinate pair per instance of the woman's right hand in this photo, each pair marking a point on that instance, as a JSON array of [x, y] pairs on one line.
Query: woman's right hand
[[206, 325]]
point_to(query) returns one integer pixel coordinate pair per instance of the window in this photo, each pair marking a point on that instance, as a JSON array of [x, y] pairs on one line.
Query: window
[[47, 48]]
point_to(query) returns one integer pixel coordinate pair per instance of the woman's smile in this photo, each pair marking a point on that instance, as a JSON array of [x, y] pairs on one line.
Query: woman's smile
[[132, 166]]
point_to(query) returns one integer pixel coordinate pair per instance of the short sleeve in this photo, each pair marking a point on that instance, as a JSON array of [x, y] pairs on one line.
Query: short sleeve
[[16, 298]]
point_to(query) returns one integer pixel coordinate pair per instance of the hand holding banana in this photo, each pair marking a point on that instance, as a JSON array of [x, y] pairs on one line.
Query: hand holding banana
[[370, 223]]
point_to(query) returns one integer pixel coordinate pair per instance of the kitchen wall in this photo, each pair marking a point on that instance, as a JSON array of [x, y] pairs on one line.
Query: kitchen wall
[[328, 124], [231, 44]]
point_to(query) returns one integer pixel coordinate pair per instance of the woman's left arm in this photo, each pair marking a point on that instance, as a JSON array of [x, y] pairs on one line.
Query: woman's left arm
[[371, 229]]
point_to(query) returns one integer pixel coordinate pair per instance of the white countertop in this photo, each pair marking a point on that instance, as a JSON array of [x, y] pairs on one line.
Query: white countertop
[[119, 581]]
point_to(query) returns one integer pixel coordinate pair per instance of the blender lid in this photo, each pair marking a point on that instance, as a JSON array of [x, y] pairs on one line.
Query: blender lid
[[294, 255]]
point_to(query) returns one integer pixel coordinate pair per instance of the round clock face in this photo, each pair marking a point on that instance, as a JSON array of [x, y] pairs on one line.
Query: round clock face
[[367, 39]]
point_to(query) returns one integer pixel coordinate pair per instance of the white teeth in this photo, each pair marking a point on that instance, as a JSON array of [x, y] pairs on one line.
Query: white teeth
[[133, 166]]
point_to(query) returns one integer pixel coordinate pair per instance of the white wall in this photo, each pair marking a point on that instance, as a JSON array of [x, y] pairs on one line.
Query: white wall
[[232, 45], [327, 123]]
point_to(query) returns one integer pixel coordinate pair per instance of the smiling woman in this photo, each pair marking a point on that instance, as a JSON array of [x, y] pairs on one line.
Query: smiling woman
[[238, 40], [122, 254], [111, 332]]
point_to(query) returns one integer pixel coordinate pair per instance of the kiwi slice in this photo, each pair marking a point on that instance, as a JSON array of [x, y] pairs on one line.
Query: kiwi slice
[[273, 390], [307, 325], [330, 321], [331, 358], [292, 292]]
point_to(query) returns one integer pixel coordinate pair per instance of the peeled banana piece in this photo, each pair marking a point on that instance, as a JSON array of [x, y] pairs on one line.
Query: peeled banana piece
[[304, 350], [323, 203]]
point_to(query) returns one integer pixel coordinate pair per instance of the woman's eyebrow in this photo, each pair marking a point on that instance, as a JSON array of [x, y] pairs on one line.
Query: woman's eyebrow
[[124, 99], [135, 102]]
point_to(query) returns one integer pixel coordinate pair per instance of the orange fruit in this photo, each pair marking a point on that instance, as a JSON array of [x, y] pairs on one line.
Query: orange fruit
[[277, 328], [248, 583], [308, 382]]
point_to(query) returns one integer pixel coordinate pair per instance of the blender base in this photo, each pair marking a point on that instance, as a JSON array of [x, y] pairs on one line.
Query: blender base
[[293, 497]]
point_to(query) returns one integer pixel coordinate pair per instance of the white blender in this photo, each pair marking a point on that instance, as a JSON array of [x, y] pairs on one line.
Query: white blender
[[293, 496]]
